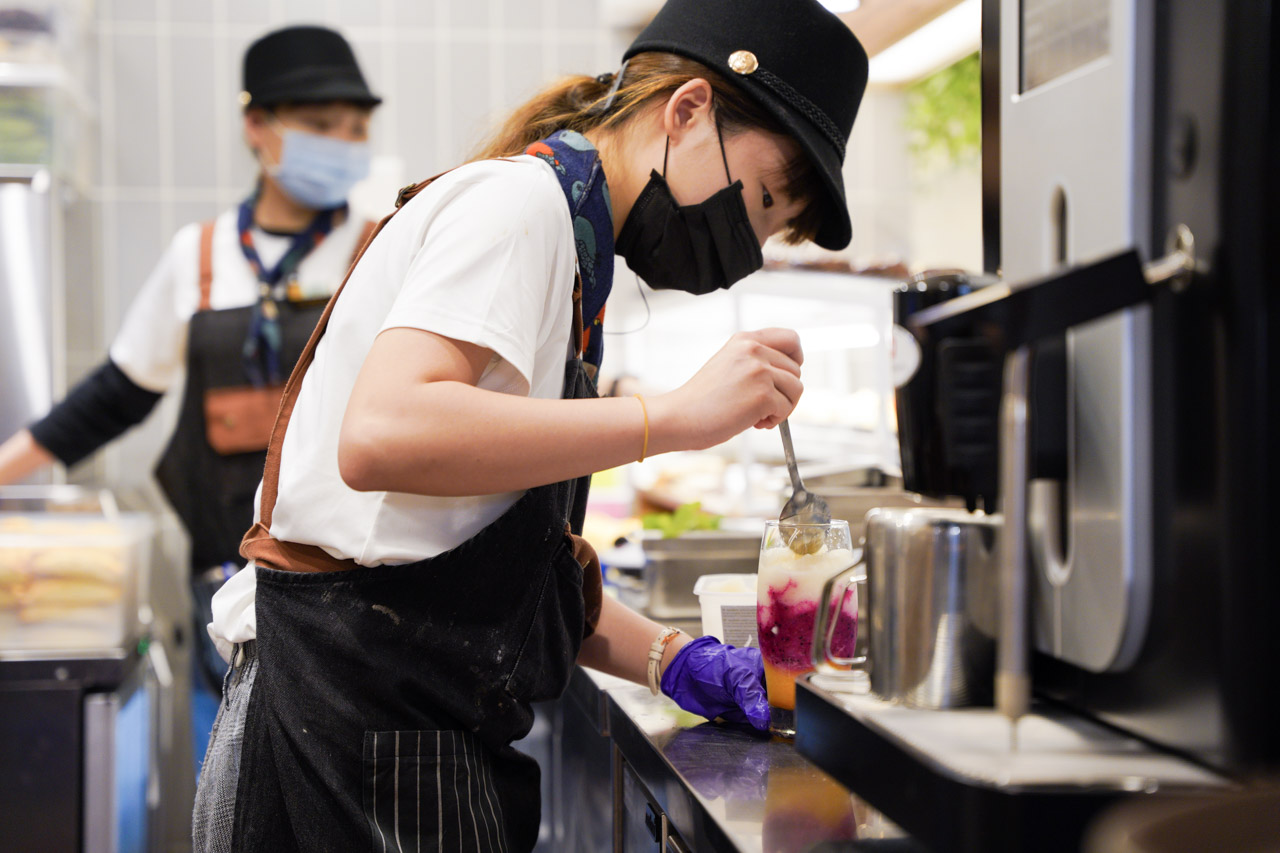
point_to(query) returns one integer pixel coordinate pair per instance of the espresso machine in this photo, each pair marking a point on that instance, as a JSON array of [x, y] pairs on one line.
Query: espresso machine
[[1130, 194]]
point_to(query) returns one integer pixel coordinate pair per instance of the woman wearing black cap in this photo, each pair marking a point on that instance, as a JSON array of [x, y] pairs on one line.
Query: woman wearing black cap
[[232, 300], [416, 583]]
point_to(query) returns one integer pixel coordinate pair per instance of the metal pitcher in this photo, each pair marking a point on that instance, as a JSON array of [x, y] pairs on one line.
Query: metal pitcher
[[931, 606]]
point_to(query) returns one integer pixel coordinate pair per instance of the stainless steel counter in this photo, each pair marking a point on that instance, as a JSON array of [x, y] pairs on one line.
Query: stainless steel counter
[[688, 784]]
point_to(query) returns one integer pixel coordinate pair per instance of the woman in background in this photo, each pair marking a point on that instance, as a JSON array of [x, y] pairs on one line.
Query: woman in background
[[230, 305], [415, 583]]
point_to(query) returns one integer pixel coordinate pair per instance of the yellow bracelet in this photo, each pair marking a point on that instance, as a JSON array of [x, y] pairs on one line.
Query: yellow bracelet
[[644, 451]]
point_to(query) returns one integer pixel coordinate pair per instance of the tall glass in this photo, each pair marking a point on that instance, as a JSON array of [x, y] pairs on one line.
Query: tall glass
[[796, 560]]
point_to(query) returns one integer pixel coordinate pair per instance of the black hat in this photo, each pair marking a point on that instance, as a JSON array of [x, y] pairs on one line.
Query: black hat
[[797, 59], [303, 65]]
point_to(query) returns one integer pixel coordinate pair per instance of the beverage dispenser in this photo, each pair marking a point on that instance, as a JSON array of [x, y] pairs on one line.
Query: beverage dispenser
[[1129, 203], [1134, 124]]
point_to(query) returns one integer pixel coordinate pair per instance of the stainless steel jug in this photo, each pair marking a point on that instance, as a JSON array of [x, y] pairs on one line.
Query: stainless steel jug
[[931, 606]]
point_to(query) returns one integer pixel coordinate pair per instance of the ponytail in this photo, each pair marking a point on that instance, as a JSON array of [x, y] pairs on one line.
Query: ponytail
[[582, 104], [564, 105]]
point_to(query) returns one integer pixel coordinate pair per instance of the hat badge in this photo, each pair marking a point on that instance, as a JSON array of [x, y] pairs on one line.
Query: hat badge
[[743, 62], [244, 98]]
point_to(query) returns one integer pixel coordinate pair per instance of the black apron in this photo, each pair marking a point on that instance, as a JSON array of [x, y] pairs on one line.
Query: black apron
[[213, 492], [386, 698], [211, 489]]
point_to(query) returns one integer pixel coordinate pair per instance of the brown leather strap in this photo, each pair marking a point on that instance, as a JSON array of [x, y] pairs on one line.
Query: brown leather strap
[[258, 544], [265, 550], [577, 314], [592, 580], [271, 473], [206, 264]]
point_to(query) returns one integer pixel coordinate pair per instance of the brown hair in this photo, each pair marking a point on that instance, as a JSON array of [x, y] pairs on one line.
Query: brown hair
[[574, 103]]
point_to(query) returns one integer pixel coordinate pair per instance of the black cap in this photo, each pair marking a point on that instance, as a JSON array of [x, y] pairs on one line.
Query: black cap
[[300, 65], [793, 56]]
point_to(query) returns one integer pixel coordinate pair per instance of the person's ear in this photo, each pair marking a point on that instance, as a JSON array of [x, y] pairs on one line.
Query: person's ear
[[687, 109], [255, 125]]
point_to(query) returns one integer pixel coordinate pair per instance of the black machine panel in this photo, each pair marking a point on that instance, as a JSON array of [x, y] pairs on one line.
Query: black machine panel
[[1202, 680]]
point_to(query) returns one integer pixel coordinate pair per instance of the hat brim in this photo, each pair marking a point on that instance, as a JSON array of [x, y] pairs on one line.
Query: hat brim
[[836, 229], [348, 91]]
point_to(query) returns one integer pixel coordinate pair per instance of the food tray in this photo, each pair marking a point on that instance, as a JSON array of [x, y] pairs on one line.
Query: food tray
[[71, 580]]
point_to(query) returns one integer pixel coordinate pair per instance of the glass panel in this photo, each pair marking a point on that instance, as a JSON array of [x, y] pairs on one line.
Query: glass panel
[[1061, 35]]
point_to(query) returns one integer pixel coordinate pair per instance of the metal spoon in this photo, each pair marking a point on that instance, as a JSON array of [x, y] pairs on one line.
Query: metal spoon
[[803, 507]]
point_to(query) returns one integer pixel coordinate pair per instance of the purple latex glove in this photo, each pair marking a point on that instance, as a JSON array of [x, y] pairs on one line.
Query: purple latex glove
[[712, 679]]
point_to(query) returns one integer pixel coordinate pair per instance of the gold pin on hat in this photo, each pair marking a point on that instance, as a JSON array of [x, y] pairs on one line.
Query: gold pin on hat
[[245, 98], [743, 61]]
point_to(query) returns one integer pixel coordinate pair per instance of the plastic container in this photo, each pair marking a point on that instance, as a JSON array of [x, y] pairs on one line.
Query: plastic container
[[728, 605], [72, 580]]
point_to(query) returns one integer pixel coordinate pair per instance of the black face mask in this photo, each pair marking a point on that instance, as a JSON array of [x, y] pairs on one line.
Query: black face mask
[[696, 248]]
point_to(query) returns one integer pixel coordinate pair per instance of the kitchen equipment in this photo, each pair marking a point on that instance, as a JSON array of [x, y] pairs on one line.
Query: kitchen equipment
[[930, 604], [1119, 130], [853, 503], [728, 605], [947, 404], [949, 779], [86, 696], [1013, 664], [673, 565], [789, 585], [46, 157]]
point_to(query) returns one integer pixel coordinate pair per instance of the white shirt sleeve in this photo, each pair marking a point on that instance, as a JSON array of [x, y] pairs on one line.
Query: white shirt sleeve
[[151, 346], [480, 272]]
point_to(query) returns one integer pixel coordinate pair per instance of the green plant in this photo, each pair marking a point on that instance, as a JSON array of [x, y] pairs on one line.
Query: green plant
[[944, 114], [685, 518]]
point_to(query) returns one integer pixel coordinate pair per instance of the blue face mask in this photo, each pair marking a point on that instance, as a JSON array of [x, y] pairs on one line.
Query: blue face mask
[[319, 171]]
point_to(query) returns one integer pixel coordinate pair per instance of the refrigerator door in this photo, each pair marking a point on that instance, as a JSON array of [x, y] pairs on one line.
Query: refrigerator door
[[26, 299]]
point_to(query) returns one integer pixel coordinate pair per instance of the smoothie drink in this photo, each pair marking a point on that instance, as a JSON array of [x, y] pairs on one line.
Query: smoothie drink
[[789, 588]]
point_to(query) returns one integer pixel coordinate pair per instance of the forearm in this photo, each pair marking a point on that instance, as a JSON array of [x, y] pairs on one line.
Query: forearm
[[101, 407], [450, 438], [620, 644], [21, 455], [416, 421]]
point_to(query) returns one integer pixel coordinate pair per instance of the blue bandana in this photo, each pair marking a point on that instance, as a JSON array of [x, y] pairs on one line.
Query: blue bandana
[[577, 164]]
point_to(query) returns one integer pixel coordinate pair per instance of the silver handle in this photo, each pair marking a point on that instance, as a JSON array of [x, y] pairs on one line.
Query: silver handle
[[784, 429], [824, 627], [162, 721], [1178, 266], [1013, 680]]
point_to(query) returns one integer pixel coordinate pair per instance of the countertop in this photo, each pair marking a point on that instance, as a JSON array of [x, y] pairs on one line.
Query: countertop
[[725, 787]]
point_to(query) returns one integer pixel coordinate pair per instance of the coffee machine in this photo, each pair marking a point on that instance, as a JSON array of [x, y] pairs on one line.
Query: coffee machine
[[1141, 124], [1117, 133]]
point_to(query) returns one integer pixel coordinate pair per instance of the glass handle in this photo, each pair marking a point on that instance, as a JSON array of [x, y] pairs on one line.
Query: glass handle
[[824, 627]]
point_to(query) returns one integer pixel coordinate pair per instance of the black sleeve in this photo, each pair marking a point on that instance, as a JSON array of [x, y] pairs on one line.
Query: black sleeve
[[101, 407]]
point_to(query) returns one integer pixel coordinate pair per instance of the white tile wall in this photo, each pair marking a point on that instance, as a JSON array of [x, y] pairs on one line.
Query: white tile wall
[[171, 144]]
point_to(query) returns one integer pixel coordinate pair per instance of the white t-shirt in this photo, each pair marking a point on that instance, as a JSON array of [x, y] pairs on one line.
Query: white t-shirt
[[484, 255], [151, 346]]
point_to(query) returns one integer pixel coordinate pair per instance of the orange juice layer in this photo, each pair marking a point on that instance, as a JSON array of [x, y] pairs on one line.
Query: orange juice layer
[[781, 685]]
